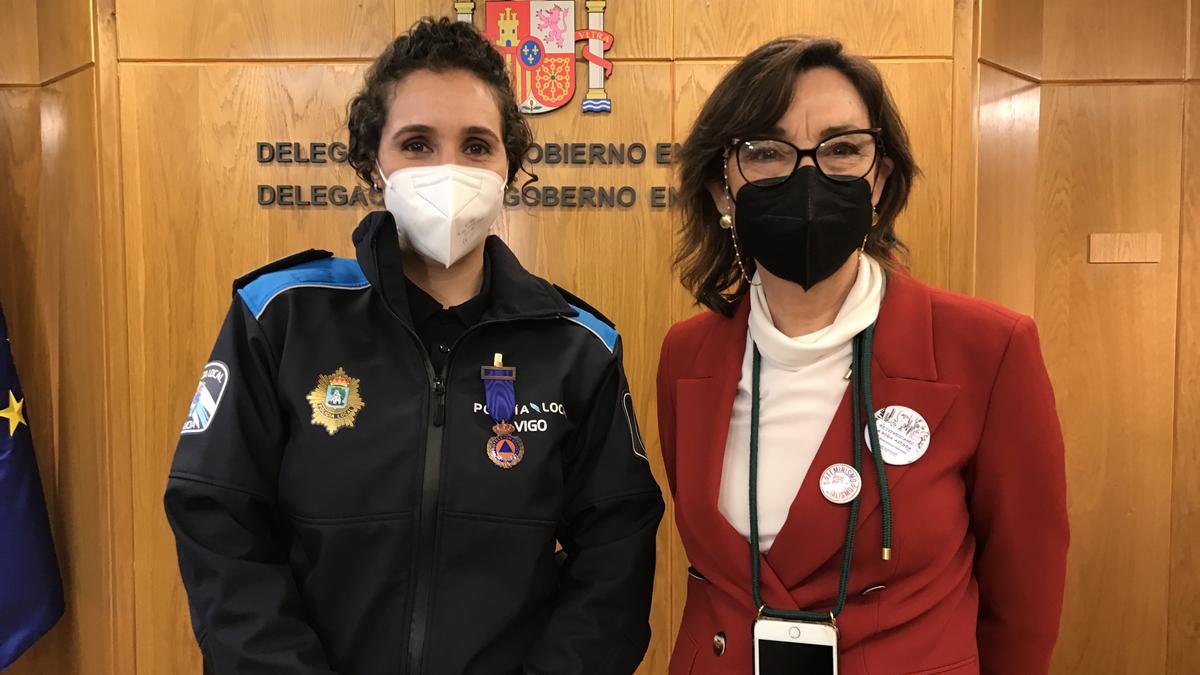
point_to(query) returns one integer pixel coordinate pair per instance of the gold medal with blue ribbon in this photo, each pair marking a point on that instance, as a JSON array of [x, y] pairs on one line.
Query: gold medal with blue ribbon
[[505, 449]]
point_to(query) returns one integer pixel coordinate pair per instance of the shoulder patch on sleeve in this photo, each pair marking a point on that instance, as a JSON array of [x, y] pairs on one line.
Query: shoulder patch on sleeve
[[207, 398], [304, 271]]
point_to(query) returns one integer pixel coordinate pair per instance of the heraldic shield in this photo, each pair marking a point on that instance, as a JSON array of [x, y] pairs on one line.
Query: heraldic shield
[[537, 40]]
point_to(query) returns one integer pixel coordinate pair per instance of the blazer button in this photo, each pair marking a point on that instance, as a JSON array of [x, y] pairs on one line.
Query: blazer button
[[719, 644]]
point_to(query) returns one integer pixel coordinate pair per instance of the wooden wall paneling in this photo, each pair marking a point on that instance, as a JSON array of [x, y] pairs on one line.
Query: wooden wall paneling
[[1007, 220], [1193, 57], [1183, 637], [1124, 247], [64, 36], [253, 29], [964, 148], [20, 159], [725, 28], [294, 103], [181, 259], [617, 260], [407, 12], [69, 209], [1114, 39], [641, 29], [1110, 161], [18, 32], [923, 93], [116, 344], [29, 295], [1011, 34]]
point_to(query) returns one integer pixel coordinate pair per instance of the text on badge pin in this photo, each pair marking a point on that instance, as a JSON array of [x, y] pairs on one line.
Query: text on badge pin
[[903, 433], [840, 483]]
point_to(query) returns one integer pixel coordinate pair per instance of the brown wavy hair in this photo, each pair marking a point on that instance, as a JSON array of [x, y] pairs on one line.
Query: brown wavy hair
[[439, 45], [751, 98]]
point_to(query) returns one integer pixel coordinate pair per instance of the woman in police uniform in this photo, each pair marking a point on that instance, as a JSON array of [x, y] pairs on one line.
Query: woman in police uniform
[[383, 451], [845, 444]]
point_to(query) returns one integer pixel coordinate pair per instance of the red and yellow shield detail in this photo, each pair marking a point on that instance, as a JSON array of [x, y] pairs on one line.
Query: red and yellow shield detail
[[537, 40]]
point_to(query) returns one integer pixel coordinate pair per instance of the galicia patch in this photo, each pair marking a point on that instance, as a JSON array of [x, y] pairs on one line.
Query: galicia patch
[[903, 433], [207, 398]]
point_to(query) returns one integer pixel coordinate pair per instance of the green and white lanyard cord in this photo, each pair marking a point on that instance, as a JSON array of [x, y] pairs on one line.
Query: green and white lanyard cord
[[861, 399]]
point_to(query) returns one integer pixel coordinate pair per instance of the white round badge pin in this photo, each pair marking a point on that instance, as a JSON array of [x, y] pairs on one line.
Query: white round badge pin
[[840, 483], [903, 433]]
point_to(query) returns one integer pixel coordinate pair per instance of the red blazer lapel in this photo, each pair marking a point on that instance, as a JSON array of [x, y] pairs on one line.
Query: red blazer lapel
[[903, 373], [704, 394]]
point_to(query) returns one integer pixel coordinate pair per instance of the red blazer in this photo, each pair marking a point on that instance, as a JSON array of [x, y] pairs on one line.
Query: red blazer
[[975, 582]]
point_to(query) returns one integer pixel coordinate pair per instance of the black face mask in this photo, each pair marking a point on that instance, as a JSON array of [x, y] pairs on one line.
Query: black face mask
[[805, 228]]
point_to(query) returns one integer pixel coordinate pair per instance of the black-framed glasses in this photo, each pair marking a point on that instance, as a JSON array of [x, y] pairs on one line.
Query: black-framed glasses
[[843, 157]]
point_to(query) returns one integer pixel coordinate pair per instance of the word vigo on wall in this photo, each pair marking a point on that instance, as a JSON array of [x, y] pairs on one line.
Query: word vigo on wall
[[531, 193]]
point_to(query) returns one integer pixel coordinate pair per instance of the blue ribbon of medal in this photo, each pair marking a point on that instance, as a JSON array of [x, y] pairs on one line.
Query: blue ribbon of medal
[[505, 449]]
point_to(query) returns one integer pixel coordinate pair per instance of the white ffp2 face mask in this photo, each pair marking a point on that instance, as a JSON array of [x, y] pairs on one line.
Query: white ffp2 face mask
[[443, 212]]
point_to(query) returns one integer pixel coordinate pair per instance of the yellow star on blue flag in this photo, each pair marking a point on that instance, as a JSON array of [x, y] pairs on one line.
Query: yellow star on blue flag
[[13, 413], [31, 597]]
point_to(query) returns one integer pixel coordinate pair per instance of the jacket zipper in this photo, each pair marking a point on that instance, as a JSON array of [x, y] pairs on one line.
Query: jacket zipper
[[430, 490], [427, 510]]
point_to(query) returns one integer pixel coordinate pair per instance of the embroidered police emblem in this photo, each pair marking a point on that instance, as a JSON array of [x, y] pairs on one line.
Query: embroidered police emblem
[[505, 449], [207, 397], [335, 401]]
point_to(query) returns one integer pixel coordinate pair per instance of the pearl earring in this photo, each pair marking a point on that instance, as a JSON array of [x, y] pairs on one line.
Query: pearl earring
[[726, 222]]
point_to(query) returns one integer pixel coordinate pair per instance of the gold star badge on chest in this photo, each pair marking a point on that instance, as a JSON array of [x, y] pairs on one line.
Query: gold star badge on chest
[[335, 401]]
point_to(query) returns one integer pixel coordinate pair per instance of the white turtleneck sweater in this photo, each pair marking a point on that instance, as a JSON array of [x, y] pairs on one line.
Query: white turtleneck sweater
[[802, 383]]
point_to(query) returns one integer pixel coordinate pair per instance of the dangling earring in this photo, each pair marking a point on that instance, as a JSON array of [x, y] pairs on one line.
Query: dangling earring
[[726, 222], [874, 222]]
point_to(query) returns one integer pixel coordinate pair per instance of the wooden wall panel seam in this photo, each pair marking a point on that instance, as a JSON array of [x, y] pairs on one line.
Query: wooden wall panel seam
[[964, 148], [1183, 581], [66, 41], [108, 148], [70, 73], [1011, 71]]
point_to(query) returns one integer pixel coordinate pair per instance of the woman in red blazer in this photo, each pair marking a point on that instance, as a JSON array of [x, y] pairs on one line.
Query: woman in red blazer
[[792, 178]]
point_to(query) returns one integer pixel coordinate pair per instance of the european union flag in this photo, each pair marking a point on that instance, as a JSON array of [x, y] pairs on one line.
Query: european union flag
[[31, 598]]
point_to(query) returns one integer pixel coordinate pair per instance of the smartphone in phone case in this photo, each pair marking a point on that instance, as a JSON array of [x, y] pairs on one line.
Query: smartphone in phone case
[[789, 647]]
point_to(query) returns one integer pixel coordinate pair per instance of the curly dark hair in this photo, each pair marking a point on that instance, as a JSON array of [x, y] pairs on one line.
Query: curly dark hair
[[439, 45], [751, 97]]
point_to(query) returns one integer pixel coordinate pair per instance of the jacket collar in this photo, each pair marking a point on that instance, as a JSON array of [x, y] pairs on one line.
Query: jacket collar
[[515, 293]]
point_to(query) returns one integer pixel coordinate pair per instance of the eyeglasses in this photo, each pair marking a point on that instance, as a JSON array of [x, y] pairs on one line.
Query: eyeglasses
[[845, 157]]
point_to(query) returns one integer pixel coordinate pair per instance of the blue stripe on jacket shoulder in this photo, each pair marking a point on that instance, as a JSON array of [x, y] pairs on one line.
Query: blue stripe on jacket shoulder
[[598, 327], [323, 273]]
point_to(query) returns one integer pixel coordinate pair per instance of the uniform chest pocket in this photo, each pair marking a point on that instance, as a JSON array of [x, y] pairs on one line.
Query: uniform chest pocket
[[368, 465]]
